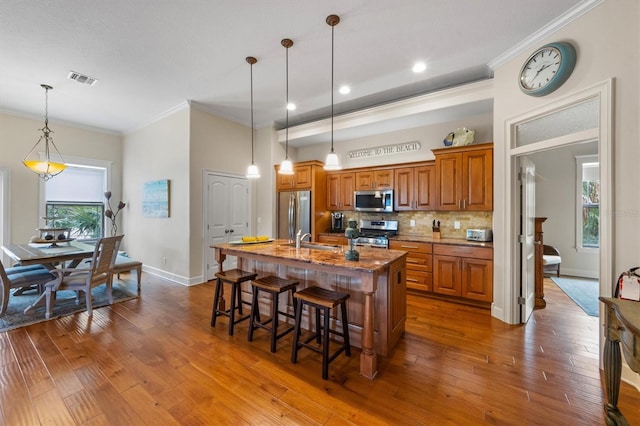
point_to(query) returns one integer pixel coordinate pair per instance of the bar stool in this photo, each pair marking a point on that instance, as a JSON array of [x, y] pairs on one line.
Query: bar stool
[[234, 277], [322, 300], [274, 286]]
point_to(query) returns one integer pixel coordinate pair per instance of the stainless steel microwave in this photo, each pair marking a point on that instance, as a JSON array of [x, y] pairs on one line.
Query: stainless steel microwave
[[373, 201]]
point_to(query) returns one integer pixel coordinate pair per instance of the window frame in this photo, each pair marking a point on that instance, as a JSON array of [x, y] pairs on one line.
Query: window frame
[[581, 160]]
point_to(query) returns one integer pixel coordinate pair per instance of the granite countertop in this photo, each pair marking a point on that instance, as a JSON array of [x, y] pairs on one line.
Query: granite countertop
[[452, 241], [371, 259]]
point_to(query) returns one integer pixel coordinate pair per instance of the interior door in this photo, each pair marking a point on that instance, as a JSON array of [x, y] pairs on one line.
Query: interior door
[[227, 216], [527, 177]]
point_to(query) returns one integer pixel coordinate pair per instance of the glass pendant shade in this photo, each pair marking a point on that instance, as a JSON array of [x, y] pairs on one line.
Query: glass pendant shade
[[51, 165], [332, 162], [252, 170], [286, 167]]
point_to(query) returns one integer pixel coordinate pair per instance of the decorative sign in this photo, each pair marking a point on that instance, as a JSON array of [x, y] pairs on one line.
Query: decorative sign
[[385, 150]]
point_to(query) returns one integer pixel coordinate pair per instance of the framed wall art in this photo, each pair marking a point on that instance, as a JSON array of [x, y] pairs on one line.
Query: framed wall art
[[155, 198]]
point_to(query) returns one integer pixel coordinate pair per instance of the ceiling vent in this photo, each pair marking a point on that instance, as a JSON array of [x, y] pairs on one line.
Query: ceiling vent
[[81, 78]]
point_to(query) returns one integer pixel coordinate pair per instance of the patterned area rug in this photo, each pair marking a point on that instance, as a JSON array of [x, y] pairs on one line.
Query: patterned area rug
[[584, 292], [65, 305]]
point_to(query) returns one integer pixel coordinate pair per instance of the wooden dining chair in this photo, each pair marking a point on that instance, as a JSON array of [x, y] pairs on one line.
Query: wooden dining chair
[[21, 277], [84, 279]]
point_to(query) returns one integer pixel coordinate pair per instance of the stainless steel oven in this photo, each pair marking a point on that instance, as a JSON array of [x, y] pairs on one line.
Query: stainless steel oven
[[373, 201], [376, 233]]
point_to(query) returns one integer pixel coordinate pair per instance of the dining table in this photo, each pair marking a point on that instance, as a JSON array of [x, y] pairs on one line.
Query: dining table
[[50, 255]]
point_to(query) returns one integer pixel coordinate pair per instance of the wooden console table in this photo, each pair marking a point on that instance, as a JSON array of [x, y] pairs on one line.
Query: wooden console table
[[622, 329]]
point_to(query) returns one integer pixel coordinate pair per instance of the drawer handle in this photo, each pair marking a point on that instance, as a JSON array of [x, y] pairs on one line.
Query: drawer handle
[[412, 261], [412, 247], [412, 280]]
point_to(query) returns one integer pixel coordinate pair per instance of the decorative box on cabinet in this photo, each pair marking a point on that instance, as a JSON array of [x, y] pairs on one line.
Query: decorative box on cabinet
[[419, 263], [374, 179], [464, 177], [340, 187], [415, 188], [463, 271]]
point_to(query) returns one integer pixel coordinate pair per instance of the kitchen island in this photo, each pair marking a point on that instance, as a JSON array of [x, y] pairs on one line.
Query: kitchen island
[[376, 285]]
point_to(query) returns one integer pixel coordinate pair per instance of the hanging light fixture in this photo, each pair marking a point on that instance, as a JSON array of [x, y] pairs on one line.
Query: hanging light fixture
[[286, 167], [46, 168], [332, 162], [252, 170]]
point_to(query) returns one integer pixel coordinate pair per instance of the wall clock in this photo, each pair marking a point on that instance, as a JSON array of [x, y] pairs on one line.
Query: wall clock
[[547, 68]]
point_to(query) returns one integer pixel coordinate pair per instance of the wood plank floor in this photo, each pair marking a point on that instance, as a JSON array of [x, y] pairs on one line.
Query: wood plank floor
[[155, 360]]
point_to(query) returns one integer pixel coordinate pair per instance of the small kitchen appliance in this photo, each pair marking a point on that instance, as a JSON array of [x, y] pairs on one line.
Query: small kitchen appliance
[[479, 234], [337, 222]]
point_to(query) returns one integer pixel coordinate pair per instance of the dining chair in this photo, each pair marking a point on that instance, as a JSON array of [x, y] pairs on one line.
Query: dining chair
[[21, 277], [79, 280]]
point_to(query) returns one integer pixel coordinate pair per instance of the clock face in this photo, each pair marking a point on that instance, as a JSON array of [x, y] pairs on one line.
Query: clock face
[[547, 69]]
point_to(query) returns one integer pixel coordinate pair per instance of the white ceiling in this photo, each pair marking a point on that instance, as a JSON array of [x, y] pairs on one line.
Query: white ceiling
[[152, 56]]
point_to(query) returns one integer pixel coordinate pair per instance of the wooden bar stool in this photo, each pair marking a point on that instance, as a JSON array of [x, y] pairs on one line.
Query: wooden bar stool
[[234, 277], [274, 286], [322, 300]]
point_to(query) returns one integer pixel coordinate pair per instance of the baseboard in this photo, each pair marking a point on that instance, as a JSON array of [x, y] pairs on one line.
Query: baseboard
[[629, 376], [579, 273], [186, 281]]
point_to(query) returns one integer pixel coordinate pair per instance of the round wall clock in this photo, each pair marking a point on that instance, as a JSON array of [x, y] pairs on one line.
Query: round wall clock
[[547, 68]]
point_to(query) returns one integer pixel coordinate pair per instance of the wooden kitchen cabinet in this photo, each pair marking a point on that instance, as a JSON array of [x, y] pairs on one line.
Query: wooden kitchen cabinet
[[464, 178], [463, 271], [336, 239], [374, 179], [419, 263], [340, 188], [415, 188], [302, 178]]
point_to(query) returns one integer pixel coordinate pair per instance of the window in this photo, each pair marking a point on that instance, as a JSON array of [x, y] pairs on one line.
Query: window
[[588, 202], [74, 199]]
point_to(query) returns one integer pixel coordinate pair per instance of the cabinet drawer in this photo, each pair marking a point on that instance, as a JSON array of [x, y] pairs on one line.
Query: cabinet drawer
[[463, 251], [332, 239], [420, 280], [420, 262], [411, 246]]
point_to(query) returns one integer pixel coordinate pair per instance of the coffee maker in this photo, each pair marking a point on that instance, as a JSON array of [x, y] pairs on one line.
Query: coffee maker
[[337, 222]]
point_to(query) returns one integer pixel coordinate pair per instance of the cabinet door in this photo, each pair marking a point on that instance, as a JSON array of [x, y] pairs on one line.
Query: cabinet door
[[477, 279], [398, 302], [333, 192], [403, 194], [347, 187], [383, 179], [449, 181], [478, 180], [302, 177], [364, 180], [425, 188], [284, 182], [336, 239], [446, 275]]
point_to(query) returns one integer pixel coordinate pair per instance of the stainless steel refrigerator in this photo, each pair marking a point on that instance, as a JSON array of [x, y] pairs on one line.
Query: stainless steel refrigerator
[[294, 213]]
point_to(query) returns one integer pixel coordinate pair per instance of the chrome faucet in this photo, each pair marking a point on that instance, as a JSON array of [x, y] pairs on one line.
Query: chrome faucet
[[300, 237]]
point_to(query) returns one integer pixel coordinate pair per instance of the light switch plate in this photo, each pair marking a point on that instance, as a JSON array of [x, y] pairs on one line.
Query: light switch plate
[[456, 225], [412, 222]]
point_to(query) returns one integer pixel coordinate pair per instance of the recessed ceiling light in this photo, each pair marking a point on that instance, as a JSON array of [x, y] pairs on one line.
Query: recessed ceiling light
[[344, 89], [419, 67], [291, 106]]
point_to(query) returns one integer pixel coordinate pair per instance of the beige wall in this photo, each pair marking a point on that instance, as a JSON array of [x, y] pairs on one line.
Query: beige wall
[[17, 137], [159, 151]]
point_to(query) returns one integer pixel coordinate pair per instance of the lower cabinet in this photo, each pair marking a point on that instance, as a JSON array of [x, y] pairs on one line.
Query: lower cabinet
[[338, 239], [419, 263], [463, 271]]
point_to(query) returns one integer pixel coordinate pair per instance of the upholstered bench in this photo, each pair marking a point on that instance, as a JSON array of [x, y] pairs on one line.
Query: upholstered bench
[[126, 264], [551, 260]]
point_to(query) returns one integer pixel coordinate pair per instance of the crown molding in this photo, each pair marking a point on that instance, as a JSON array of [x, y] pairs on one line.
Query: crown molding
[[182, 105], [544, 32], [60, 122]]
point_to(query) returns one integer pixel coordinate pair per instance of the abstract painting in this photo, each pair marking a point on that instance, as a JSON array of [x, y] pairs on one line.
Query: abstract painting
[[155, 198]]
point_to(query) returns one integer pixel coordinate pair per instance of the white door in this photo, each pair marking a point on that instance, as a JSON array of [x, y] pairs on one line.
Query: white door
[[527, 177], [227, 215]]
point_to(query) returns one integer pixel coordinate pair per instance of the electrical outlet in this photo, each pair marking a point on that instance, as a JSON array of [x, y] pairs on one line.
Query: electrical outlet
[[412, 222], [259, 220], [456, 225], [164, 260]]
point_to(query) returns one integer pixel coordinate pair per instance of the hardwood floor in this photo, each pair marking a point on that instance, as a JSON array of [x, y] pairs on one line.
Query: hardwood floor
[[155, 360]]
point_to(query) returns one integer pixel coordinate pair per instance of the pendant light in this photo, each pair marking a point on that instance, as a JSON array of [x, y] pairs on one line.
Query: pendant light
[[332, 162], [286, 167], [46, 168], [252, 170]]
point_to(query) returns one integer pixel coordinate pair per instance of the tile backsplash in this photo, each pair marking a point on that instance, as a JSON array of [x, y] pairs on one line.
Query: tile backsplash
[[424, 219]]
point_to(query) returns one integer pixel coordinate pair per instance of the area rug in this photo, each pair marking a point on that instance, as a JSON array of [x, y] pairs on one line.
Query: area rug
[[65, 305], [583, 292]]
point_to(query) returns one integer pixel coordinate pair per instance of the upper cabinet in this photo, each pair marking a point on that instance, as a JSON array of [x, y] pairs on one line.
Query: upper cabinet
[[340, 187], [464, 178], [415, 188], [302, 178], [374, 179]]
